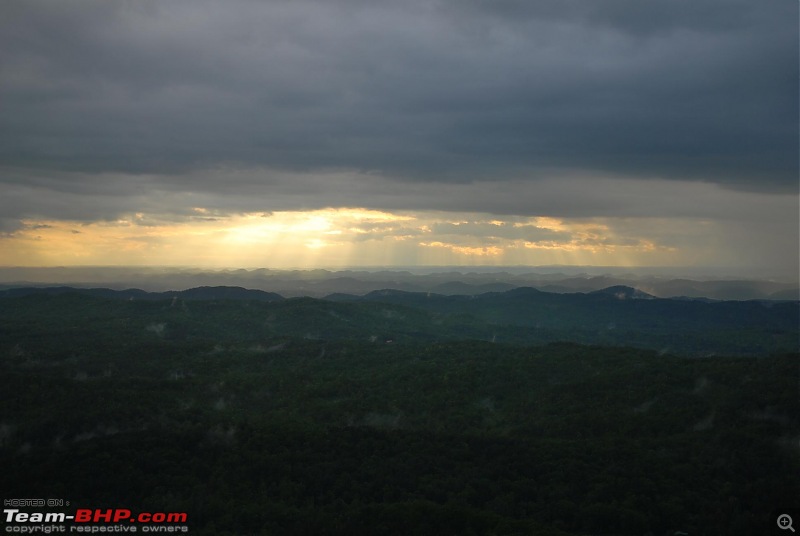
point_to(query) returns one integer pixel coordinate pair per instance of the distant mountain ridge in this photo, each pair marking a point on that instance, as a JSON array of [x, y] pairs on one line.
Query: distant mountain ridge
[[623, 292], [193, 294], [619, 292], [474, 281], [615, 316]]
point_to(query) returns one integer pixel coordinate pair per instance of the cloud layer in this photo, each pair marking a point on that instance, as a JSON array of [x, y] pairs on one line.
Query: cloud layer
[[441, 91], [563, 108]]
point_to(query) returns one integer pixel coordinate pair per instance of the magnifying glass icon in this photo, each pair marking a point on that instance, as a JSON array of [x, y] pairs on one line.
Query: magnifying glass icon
[[785, 522]]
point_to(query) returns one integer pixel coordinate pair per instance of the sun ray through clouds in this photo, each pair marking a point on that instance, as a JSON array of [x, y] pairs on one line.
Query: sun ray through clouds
[[342, 237]]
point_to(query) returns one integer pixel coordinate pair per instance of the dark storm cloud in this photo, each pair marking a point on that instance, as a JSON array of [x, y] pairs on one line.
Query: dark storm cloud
[[187, 96], [223, 192]]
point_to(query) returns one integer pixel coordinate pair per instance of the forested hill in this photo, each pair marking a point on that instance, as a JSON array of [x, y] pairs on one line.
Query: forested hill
[[291, 436], [524, 305], [617, 316], [386, 415]]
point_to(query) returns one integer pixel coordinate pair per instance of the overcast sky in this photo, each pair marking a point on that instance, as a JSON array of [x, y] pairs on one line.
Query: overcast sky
[[611, 132]]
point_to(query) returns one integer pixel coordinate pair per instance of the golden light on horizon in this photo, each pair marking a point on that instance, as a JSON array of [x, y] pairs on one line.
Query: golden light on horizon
[[324, 237], [478, 251]]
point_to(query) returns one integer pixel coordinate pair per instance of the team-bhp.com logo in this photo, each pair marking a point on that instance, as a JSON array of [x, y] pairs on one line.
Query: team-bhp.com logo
[[96, 520], [120, 514]]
